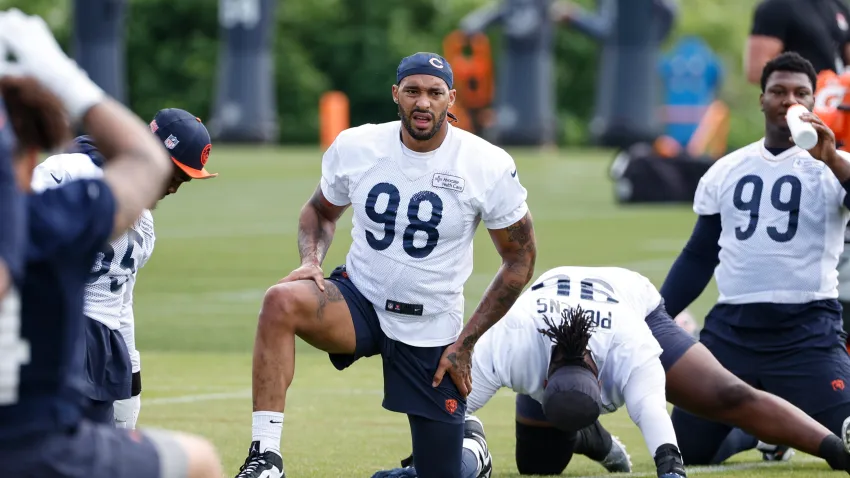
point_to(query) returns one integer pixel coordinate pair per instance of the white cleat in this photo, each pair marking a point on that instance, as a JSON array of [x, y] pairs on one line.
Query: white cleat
[[617, 460]]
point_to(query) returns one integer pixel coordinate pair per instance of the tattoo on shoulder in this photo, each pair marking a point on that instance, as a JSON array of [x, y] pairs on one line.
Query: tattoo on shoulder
[[522, 231]]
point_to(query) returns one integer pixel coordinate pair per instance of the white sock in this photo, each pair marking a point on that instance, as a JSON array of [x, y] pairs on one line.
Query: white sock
[[266, 429]]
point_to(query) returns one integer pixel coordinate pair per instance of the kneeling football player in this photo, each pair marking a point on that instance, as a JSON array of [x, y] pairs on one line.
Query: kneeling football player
[[515, 357]]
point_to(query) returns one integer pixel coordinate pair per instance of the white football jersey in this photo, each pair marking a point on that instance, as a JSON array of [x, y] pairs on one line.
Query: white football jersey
[[119, 260], [783, 225], [514, 354], [414, 217]]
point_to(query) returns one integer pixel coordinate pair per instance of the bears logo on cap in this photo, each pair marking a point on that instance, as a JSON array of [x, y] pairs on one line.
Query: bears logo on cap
[[205, 155]]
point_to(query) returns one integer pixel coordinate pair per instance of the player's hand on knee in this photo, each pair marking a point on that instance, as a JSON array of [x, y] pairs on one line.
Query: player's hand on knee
[[311, 272], [457, 361]]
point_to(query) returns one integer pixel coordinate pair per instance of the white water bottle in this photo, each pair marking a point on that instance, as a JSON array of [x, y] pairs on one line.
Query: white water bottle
[[802, 132]]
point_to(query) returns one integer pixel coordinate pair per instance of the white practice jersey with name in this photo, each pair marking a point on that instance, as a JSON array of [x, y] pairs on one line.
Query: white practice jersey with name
[[414, 218], [118, 262], [514, 354], [783, 223]]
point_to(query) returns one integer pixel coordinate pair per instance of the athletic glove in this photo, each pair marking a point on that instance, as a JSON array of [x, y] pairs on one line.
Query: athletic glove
[[126, 412], [39, 56], [668, 462]]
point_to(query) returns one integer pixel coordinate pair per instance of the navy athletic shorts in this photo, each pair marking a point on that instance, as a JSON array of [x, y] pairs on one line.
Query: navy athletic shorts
[[408, 370]]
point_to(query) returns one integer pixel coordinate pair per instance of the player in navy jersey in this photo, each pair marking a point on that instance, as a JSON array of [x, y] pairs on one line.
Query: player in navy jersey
[[43, 432], [12, 225], [771, 227]]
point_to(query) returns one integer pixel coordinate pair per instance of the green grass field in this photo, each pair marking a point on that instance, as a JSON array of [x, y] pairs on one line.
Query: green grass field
[[222, 243]]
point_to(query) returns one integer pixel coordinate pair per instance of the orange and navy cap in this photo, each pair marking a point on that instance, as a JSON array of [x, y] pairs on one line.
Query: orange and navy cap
[[186, 138]]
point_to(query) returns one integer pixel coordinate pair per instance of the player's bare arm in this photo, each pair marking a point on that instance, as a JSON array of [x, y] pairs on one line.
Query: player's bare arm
[[5, 279], [137, 166], [825, 150], [517, 246], [316, 228]]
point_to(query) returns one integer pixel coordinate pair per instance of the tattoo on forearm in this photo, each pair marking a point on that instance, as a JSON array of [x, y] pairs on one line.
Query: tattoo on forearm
[[314, 237], [507, 286]]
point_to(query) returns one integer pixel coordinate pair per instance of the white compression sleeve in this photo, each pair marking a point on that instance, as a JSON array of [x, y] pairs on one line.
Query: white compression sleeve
[[483, 388], [646, 402]]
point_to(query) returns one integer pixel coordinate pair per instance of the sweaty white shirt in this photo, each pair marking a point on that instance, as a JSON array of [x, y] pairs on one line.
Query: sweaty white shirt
[[514, 354], [783, 224], [118, 262], [414, 218]]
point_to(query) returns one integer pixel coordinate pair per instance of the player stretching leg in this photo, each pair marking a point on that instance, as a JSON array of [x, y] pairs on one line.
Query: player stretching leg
[[717, 394], [113, 366], [570, 384], [771, 227], [44, 432], [418, 188]]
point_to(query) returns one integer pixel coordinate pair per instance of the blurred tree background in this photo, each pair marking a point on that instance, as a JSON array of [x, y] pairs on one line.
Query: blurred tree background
[[355, 45]]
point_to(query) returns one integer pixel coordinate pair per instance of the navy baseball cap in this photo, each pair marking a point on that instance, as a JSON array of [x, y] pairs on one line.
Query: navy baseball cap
[[186, 138], [424, 63], [571, 398]]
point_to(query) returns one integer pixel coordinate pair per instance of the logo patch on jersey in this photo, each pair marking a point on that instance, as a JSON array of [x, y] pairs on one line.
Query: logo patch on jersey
[[838, 384], [806, 164], [171, 142], [447, 181], [451, 405]]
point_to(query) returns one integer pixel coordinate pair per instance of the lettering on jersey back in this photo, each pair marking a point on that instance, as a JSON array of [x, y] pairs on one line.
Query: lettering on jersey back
[[554, 308], [447, 181]]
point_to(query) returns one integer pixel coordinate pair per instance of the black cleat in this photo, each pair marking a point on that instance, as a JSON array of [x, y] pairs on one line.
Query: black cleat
[[261, 465]]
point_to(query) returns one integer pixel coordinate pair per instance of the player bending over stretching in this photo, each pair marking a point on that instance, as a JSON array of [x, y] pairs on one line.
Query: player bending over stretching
[[695, 380], [418, 189], [113, 365]]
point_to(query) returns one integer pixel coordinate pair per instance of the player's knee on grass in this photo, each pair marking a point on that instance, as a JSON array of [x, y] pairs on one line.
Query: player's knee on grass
[[437, 447], [185, 456], [543, 450]]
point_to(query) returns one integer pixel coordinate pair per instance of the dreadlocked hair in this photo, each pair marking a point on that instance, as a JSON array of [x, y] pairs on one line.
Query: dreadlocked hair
[[571, 336]]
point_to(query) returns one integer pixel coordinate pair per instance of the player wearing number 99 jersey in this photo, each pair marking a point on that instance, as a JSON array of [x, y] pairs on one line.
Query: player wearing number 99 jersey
[[771, 227], [113, 364], [418, 189]]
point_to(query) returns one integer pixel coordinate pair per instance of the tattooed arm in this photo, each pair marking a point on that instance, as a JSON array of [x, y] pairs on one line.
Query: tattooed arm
[[517, 246], [316, 227]]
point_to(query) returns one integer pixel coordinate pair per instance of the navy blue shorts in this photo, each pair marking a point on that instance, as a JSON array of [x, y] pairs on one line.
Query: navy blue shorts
[[408, 370], [801, 359], [87, 451], [673, 339], [109, 372]]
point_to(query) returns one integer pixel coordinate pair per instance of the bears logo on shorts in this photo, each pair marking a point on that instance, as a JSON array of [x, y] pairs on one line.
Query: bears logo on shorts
[[451, 405]]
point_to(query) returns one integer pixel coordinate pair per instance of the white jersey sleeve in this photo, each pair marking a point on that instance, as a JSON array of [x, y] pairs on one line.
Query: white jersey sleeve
[[512, 354], [646, 402], [337, 169], [837, 190], [503, 203], [61, 168], [705, 197]]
